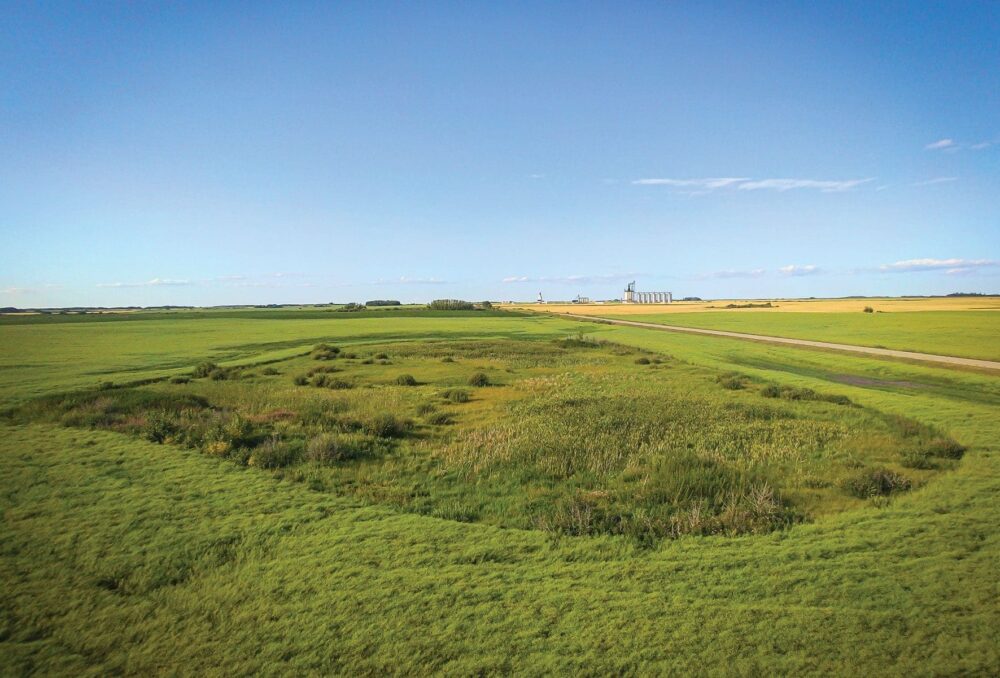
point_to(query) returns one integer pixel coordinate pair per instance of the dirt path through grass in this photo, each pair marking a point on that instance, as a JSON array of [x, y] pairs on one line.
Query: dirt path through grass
[[886, 352]]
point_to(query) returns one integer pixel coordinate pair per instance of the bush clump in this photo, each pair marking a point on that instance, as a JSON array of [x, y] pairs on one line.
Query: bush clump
[[406, 380], [479, 379], [869, 309], [329, 448], [451, 305], [386, 425], [731, 381], [456, 395], [328, 381], [204, 370], [275, 453], [180, 380], [642, 361], [324, 352], [945, 448], [878, 483], [269, 372], [440, 419], [300, 380]]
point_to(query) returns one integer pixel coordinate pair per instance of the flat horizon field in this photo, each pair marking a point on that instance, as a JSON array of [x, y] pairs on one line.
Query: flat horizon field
[[138, 541]]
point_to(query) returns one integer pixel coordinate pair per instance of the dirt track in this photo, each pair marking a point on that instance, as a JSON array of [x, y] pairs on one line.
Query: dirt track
[[868, 350]]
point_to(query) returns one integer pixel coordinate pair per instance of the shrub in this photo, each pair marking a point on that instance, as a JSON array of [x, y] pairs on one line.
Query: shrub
[[326, 381], [447, 359], [368, 361], [479, 379], [945, 448], [300, 380], [386, 425], [456, 395], [451, 305], [381, 356], [218, 374], [771, 391], [426, 408], [327, 448], [406, 380], [269, 372], [731, 383], [918, 459], [869, 309], [179, 380], [324, 352], [159, 427], [382, 302], [440, 419], [204, 370], [275, 453], [878, 483], [642, 361]]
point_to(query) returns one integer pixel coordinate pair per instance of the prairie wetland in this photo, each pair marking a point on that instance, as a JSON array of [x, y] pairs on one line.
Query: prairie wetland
[[499, 339]]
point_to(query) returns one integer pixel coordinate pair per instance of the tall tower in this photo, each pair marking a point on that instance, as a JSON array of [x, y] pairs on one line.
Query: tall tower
[[629, 293]]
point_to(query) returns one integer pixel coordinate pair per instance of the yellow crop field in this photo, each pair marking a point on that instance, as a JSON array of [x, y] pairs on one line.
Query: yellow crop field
[[886, 305]]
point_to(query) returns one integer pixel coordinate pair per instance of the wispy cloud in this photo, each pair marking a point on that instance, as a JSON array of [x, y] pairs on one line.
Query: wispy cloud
[[951, 266], [536, 176], [737, 273], [941, 145], [747, 184], [155, 282], [952, 145], [799, 270], [17, 291], [569, 279], [936, 180], [403, 280], [706, 184]]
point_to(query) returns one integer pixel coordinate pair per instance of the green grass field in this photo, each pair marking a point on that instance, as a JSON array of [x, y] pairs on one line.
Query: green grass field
[[967, 334], [503, 536]]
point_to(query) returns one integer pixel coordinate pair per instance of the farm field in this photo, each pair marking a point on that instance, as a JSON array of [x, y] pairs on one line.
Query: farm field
[[967, 334], [286, 494]]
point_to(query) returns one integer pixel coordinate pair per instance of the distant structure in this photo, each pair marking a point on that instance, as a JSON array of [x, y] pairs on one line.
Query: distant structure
[[540, 300], [580, 299], [633, 297]]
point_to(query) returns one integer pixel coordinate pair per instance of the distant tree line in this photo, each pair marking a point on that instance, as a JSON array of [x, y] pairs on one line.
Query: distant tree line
[[382, 302]]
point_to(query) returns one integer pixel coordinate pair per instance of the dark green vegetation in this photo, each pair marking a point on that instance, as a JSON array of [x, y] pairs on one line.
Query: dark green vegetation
[[250, 524]]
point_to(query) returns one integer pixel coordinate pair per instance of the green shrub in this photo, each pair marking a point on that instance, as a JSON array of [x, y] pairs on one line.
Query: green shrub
[[918, 459], [386, 425], [269, 372], [479, 379], [328, 448], [406, 380], [869, 309], [204, 370], [159, 427], [275, 453], [180, 380], [451, 305], [219, 374], [300, 380], [324, 352], [327, 381], [426, 408], [731, 383], [381, 356], [878, 483], [456, 395], [945, 448], [447, 359], [440, 419], [368, 361], [771, 391], [642, 361]]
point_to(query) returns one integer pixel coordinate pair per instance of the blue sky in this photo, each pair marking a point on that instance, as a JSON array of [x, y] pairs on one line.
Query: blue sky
[[288, 152]]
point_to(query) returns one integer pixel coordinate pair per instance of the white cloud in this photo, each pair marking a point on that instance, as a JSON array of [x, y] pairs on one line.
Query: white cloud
[[569, 279], [15, 291], [155, 282], [940, 145], [936, 180], [707, 184], [950, 266], [790, 184], [403, 280], [746, 184], [981, 145], [737, 273], [536, 176], [798, 270]]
